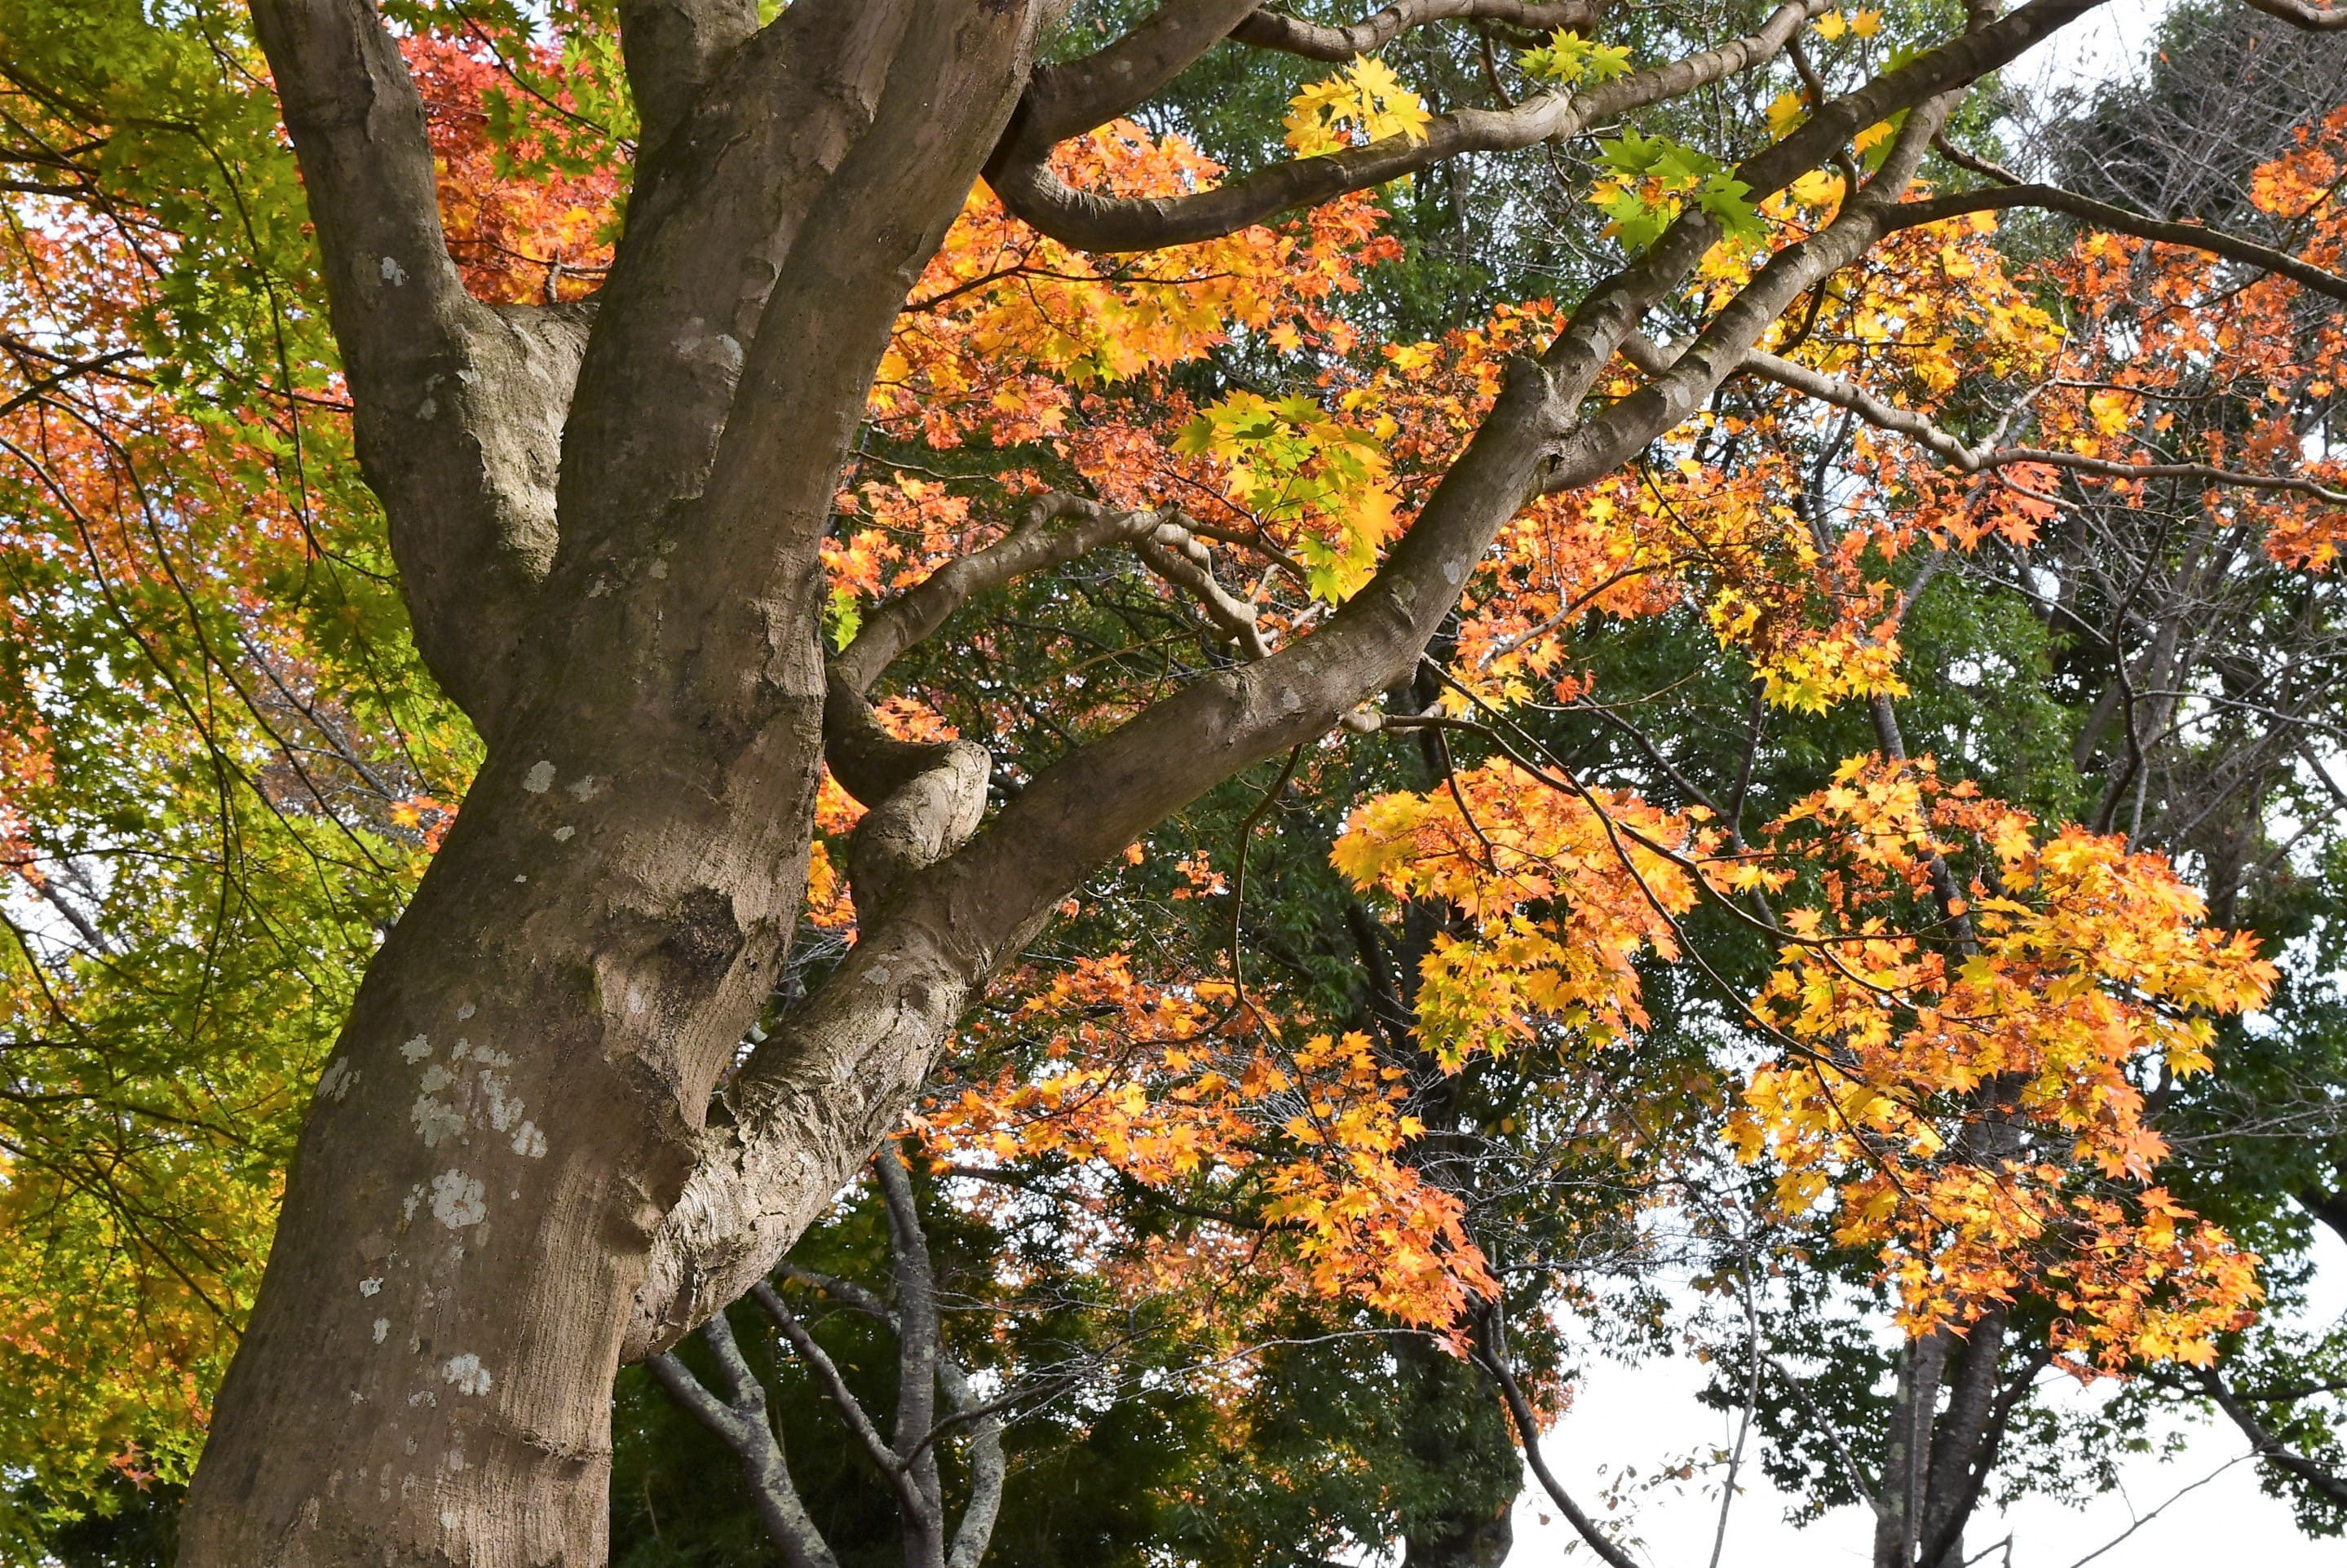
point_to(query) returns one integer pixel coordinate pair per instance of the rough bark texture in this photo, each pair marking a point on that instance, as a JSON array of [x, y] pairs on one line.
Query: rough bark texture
[[516, 1173]]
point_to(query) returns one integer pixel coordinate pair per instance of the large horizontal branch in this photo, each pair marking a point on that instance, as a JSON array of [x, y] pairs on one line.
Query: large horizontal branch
[[1314, 41], [830, 1082], [1021, 176], [2118, 219]]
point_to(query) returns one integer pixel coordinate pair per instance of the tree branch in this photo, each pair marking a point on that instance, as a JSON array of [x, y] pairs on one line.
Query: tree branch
[[1070, 99], [1289, 35], [2298, 14], [827, 1377], [1528, 1432], [1973, 459], [740, 1422], [1021, 176], [2331, 1485], [917, 1345], [673, 48], [459, 406], [2103, 215]]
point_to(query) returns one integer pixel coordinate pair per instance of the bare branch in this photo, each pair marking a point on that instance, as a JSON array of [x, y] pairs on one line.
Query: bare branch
[[827, 1377], [1528, 1433], [1974, 459], [740, 1422], [2298, 14], [2102, 215]]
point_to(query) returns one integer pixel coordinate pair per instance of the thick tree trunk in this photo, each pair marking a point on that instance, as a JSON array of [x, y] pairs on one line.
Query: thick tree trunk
[[507, 1119], [521, 1092]]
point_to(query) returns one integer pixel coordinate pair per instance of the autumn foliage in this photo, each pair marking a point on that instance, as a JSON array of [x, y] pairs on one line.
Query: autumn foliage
[[1946, 1063]]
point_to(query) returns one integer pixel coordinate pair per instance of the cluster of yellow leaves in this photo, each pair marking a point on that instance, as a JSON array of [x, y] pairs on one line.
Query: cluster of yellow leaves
[[1959, 1087], [1311, 484], [1591, 866], [1365, 102], [1962, 1092]]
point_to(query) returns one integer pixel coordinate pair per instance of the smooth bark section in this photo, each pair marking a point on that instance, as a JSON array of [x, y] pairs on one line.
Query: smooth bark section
[[673, 48]]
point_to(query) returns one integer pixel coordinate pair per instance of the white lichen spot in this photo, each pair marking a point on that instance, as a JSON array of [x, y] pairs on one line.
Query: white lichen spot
[[539, 779], [464, 1048], [429, 408], [729, 353], [467, 1374], [455, 1461], [464, 1012], [390, 270], [417, 1050], [447, 1519], [436, 1079], [504, 1110], [528, 1142], [336, 1080], [658, 569], [420, 1397], [457, 1200], [381, 1329], [585, 788], [562, 835], [413, 1200], [435, 1120], [369, 1287], [522, 878]]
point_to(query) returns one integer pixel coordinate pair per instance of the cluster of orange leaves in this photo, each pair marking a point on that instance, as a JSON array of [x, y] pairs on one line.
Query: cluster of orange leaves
[[1967, 1094], [533, 239], [1184, 1087]]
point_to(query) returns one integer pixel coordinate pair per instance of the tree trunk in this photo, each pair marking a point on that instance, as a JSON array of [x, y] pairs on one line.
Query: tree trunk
[[521, 1091]]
